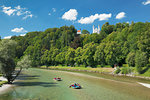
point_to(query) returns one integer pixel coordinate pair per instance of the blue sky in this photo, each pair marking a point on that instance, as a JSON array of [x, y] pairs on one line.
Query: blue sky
[[18, 17]]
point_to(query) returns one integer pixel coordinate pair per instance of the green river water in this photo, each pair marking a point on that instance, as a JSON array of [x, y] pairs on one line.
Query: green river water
[[38, 84]]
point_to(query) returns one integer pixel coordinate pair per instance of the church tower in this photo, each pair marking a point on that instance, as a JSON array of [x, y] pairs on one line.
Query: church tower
[[96, 30], [93, 29]]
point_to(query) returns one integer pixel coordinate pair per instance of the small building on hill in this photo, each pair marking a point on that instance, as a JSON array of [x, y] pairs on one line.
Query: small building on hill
[[79, 32]]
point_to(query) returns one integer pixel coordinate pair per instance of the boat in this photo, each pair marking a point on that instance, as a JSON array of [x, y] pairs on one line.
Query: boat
[[75, 86], [57, 79]]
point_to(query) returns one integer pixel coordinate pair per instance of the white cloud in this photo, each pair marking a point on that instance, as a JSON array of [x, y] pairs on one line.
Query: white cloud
[[7, 37], [70, 15], [146, 2], [25, 17], [22, 34], [8, 10], [92, 18], [17, 11], [54, 9], [19, 30], [120, 15]]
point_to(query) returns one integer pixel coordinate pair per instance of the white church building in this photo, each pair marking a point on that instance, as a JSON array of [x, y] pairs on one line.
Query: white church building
[[96, 30]]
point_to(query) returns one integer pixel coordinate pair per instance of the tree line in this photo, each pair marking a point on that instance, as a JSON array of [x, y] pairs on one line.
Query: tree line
[[122, 43]]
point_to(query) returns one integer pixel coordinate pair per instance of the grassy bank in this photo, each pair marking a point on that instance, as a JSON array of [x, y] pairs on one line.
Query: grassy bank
[[101, 70], [2, 82], [88, 69]]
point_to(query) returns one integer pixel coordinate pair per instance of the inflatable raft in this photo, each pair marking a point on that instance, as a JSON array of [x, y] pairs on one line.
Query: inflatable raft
[[57, 79], [75, 86]]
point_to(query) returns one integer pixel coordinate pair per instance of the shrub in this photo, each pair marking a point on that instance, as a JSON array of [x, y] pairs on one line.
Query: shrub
[[99, 66], [126, 70], [82, 66], [125, 65], [108, 66], [60, 65]]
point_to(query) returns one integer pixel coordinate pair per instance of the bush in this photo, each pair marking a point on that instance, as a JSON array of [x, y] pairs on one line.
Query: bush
[[108, 66], [60, 65], [99, 66], [82, 66], [117, 71], [125, 65], [126, 70]]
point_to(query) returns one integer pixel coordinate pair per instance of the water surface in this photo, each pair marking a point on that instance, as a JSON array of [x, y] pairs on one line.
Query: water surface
[[38, 84]]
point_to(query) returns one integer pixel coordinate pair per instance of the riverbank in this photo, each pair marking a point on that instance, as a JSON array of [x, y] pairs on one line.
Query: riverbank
[[3, 84], [109, 71], [87, 69]]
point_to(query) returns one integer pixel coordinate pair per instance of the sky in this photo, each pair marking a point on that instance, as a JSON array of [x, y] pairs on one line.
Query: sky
[[17, 17]]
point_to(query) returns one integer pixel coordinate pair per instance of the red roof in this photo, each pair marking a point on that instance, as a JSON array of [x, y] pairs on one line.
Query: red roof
[[79, 30]]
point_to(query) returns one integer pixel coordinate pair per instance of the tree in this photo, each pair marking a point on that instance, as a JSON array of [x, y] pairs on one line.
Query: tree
[[7, 56], [25, 62], [130, 60], [144, 42], [44, 58], [99, 56], [70, 57], [76, 43], [60, 58], [85, 32], [78, 55], [141, 60], [112, 53], [54, 52], [88, 53], [107, 29]]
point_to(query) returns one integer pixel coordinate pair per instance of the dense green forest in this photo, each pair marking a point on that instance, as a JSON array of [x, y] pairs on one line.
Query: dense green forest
[[122, 43]]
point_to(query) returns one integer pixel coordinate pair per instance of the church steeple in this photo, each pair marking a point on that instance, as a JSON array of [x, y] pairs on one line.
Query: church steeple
[[96, 30], [93, 29]]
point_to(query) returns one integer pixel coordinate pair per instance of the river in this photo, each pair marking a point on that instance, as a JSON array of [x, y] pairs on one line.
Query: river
[[38, 84]]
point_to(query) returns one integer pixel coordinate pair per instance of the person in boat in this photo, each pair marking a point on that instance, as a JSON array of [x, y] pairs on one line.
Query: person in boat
[[75, 84]]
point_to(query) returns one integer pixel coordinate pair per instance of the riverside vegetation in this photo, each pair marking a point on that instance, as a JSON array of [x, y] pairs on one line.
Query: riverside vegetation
[[123, 44]]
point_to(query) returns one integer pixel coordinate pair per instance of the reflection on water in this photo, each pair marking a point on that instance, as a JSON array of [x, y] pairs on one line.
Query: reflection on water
[[38, 84]]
